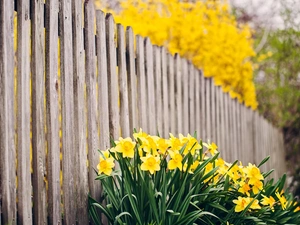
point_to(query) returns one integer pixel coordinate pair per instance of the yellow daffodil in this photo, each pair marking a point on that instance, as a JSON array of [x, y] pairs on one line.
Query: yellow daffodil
[[212, 148], [175, 161], [150, 163], [243, 202], [253, 173], [175, 143], [105, 166], [125, 146], [270, 201], [282, 200]]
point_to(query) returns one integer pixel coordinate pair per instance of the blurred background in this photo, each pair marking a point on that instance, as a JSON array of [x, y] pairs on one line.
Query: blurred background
[[250, 47]]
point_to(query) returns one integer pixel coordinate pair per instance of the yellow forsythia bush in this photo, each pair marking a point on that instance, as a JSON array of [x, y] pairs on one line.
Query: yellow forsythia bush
[[204, 32]]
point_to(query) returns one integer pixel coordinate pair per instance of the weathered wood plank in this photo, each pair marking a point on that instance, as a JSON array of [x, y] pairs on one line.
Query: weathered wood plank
[[23, 115], [218, 116], [113, 94], [103, 100], [208, 116], [150, 86], [67, 106], [141, 84], [81, 178], [166, 113], [198, 103], [124, 110], [171, 80], [178, 91], [203, 108], [92, 117], [132, 88], [38, 113], [226, 119], [52, 112], [185, 99], [191, 89], [213, 110], [158, 89], [7, 145]]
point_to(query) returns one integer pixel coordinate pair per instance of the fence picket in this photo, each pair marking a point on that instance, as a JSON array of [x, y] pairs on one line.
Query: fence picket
[[132, 88], [141, 84], [7, 147], [150, 86], [198, 121], [52, 113], [124, 110], [38, 114], [185, 97], [178, 91], [158, 89], [165, 96], [171, 81], [103, 100], [91, 97], [191, 80], [81, 173], [113, 94]]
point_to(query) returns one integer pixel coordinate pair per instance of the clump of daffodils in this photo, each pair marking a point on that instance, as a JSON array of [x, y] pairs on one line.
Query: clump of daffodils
[[180, 180]]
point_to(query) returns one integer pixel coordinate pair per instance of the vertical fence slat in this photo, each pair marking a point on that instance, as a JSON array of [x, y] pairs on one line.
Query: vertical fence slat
[[150, 86], [141, 83], [171, 79], [178, 91], [67, 101], [23, 115], [158, 88], [165, 96], [191, 79], [124, 111], [198, 104], [132, 88], [185, 99], [90, 77], [208, 109], [103, 101], [81, 182], [113, 94], [218, 116], [213, 110], [7, 147], [52, 112], [203, 109], [38, 114]]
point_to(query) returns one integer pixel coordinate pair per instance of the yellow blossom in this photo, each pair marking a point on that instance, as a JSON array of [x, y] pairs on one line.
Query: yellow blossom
[[243, 202], [282, 200], [175, 161], [212, 148], [270, 201], [105, 166], [125, 146], [150, 163]]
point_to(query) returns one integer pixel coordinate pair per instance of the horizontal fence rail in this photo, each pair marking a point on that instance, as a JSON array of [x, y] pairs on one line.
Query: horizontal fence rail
[[76, 79]]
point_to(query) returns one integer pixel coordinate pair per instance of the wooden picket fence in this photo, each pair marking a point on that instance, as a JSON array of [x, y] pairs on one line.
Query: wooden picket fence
[[107, 83]]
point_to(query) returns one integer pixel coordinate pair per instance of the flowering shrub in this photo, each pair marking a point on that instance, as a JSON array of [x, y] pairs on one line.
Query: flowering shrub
[[204, 32], [152, 180]]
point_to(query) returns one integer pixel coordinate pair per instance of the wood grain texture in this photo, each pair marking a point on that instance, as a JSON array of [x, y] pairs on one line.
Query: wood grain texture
[[213, 110], [171, 80], [38, 113], [23, 115], [165, 92], [67, 107], [81, 174], [52, 113], [7, 145], [208, 114], [185, 100], [178, 91], [113, 94], [191, 89], [203, 107], [132, 83], [158, 89], [103, 100], [91, 94], [150, 86], [198, 104], [141, 84], [123, 87]]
